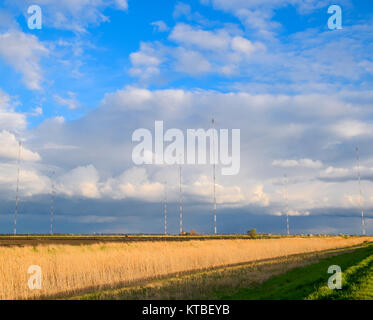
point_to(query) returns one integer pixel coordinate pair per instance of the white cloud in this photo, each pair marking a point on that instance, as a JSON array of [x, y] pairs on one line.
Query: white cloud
[[130, 98], [106, 145], [332, 172], [293, 213], [165, 103], [181, 9], [160, 26], [145, 62], [302, 63], [203, 185], [70, 102], [243, 5], [143, 58], [31, 182], [256, 15], [85, 181], [53, 146], [37, 111], [23, 52], [351, 128], [306, 163], [191, 62], [199, 52], [134, 184], [243, 45], [74, 15], [260, 196], [202, 39], [9, 148], [9, 119], [122, 4], [81, 182]]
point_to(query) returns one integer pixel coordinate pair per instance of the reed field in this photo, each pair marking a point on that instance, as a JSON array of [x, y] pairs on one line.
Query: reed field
[[73, 269]]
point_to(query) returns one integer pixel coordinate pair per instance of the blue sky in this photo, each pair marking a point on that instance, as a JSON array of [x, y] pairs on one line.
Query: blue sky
[[75, 90]]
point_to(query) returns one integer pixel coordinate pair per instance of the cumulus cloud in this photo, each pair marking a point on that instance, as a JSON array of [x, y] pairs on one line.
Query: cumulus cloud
[[145, 62], [9, 148], [191, 62], [256, 54], [9, 119], [259, 196], [133, 184], [206, 40], [219, 40], [202, 187], [80, 182], [199, 51], [86, 182], [31, 181], [243, 45], [286, 97], [96, 163], [23, 52]]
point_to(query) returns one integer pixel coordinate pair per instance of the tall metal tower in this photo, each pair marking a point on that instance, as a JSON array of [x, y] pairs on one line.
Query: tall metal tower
[[165, 208], [17, 188], [213, 173], [286, 195], [361, 194], [181, 201], [52, 203]]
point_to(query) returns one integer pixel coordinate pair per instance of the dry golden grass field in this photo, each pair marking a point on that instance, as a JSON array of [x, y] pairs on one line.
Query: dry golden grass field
[[68, 269]]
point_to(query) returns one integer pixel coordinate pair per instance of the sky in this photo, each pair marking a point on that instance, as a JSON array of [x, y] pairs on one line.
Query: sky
[[75, 90]]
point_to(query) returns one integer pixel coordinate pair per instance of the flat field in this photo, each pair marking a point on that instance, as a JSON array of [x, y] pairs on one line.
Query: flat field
[[69, 270], [310, 282]]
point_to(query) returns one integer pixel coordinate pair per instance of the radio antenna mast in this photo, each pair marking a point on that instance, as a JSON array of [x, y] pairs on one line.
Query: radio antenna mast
[[213, 174], [181, 200], [287, 204], [165, 208], [17, 188], [52, 203], [361, 194]]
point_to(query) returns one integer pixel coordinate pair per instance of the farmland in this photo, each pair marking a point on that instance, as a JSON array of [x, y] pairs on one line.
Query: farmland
[[73, 270], [34, 240]]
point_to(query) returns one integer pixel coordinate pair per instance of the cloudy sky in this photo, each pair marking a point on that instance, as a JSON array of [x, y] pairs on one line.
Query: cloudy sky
[[75, 91]]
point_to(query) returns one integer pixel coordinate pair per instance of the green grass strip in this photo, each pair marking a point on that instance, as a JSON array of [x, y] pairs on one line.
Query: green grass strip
[[365, 291], [353, 279], [309, 282]]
